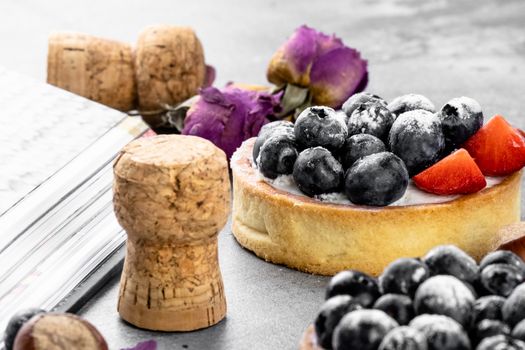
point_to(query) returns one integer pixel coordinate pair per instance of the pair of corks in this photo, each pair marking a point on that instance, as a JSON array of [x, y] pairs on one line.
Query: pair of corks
[[165, 67]]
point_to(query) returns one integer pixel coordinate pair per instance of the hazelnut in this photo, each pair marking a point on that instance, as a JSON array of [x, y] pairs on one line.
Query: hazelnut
[[16, 322], [58, 331]]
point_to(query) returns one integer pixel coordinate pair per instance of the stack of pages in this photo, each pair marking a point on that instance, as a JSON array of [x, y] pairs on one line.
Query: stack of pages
[[57, 228]]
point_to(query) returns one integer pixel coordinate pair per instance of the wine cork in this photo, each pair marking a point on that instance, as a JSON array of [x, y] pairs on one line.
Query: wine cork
[[172, 196], [170, 68], [98, 69]]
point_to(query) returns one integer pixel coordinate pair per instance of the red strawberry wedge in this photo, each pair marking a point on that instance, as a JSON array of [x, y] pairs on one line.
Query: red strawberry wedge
[[454, 174], [497, 148]]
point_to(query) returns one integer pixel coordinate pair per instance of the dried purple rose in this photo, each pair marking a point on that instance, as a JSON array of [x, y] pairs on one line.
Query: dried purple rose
[[322, 63], [229, 116]]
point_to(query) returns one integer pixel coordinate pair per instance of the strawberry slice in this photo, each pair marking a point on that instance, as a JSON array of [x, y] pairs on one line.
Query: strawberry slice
[[497, 148], [455, 174]]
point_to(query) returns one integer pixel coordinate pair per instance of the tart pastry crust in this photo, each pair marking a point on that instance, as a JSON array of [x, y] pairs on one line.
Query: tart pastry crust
[[324, 238]]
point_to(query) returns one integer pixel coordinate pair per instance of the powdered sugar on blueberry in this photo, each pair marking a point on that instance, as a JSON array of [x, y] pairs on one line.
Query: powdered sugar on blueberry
[[410, 102], [371, 118], [361, 98], [461, 118], [320, 126], [416, 137], [465, 106], [417, 121]]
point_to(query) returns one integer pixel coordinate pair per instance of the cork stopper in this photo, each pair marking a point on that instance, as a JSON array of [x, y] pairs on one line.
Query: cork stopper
[[172, 196], [98, 69], [170, 68]]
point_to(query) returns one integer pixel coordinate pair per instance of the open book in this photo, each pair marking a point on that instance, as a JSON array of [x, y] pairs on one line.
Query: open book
[[57, 228]]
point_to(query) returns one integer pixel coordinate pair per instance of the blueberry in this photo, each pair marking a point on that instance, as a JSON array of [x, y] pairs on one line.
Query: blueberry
[[371, 118], [502, 257], [403, 276], [361, 98], [442, 332], [362, 329], [320, 126], [356, 284], [416, 137], [358, 146], [488, 307], [316, 171], [450, 260], [460, 118], [501, 342], [410, 102], [514, 307], [377, 180], [488, 328], [16, 322], [268, 130], [329, 316], [472, 289], [278, 155], [397, 306], [445, 295], [501, 279], [478, 288], [519, 330], [404, 338], [275, 125]]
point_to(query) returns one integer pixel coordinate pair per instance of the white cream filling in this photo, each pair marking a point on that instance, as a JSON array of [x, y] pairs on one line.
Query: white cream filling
[[412, 196]]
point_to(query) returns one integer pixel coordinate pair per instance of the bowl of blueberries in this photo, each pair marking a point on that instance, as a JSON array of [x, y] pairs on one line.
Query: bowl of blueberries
[[443, 301]]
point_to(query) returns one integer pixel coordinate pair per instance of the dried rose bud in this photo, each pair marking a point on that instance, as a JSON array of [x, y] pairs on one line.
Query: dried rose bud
[[322, 63], [228, 117]]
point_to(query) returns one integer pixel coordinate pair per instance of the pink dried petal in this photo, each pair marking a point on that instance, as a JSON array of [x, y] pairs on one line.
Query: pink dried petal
[[145, 345], [209, 76], [230, 116], [337, 75]]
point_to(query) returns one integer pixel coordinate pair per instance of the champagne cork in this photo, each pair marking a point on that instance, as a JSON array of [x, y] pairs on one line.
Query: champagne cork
[[98, 69], [170, 68], [172, 196]]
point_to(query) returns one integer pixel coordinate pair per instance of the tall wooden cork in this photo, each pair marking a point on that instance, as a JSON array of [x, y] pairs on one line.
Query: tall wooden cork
[[172, 196], [170, 68], [98, 69]]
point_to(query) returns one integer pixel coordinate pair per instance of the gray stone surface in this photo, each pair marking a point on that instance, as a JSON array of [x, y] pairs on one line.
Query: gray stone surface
[[269, 306], [442, 49]]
